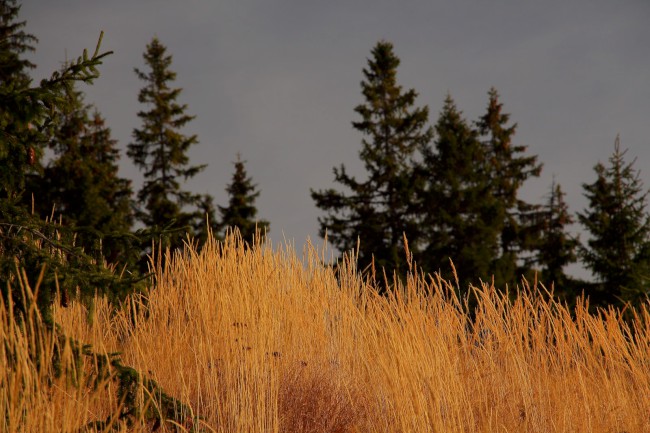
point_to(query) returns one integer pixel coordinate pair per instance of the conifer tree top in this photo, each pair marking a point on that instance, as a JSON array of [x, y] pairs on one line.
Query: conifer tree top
[[14, 42], [377, 212], [241, 211], [160, 148], [618, 251]]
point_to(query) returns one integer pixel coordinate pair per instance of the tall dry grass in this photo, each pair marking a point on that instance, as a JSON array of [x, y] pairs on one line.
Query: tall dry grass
[[260, 340]]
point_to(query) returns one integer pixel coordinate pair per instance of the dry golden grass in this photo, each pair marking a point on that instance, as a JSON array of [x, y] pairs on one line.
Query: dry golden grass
[[259, 340]]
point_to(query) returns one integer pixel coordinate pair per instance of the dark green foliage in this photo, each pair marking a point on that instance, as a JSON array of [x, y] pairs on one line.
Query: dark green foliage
[[16, 155], [379, 212], [14, 42], [40, 260], [618, 250], [508, 169], [28, 244], [469, 205], [32, 246], [28, 115], [241, 211], [38, 249], [461, 217], [163, 407], [556, 248], [82, 181], [160, 150], [205, 220]]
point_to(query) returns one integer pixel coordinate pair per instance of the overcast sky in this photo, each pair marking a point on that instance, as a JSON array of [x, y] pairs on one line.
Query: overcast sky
[[278, 81]]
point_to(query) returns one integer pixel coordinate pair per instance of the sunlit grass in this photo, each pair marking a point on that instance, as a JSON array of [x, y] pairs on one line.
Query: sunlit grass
[[262, 340]]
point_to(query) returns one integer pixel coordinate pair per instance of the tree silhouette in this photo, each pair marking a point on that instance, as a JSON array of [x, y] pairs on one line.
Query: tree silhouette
[[21, 145], [160, 150], [82, 181], [461, 216], [556, 248], [241, 211], [618, 250], [508, 169], [379, 211]]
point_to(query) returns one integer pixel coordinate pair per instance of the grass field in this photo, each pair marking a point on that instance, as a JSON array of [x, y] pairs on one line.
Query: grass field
[[267, 340]]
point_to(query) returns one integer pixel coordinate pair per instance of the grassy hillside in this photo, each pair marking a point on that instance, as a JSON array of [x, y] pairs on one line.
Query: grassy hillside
[[261, 340]]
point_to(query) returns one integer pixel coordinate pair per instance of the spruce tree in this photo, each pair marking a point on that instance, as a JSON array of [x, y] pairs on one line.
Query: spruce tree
[[14, 43], [82, 181], [556, 248], [460, 215], [205, 223], [241, 211], [25, 239], [508, 169], [20, 147], [160, 149], [45, 257], [618, 250], [378, 212]]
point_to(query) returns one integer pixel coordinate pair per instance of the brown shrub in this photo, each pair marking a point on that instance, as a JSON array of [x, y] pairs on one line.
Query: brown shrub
[[319, 400]]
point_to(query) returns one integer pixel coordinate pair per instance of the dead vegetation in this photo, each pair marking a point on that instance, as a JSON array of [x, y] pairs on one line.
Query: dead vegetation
[[260, 340]]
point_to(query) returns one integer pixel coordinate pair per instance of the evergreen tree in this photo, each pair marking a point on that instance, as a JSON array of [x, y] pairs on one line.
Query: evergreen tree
[[556, 248], [18, 113], [82, 180], [618, 251], [459, 213], [508, 169], [205, 223], [43, 256], [241, 211], [379, 211], [14, 42], [160, 149], [26, 240]]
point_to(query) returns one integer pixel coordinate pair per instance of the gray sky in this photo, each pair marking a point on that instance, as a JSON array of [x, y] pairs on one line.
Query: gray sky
[[278, 81]]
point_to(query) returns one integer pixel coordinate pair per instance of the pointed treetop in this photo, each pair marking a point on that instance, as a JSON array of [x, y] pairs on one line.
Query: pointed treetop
[[241, 212], [376, 211], [159, 149], [556, 248], [14, 43], [618, 251]]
